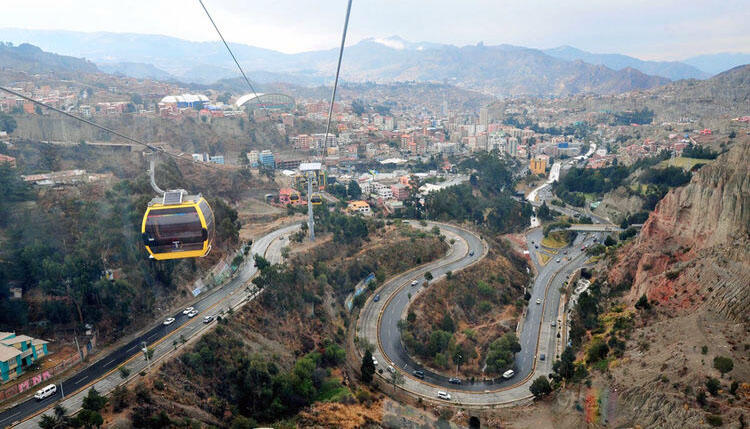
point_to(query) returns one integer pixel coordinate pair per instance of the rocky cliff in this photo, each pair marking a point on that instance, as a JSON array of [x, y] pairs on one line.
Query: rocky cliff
[[695, 247]]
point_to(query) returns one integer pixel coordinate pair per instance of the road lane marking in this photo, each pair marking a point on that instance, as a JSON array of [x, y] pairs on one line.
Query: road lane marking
[[83, 378], [10, 416]]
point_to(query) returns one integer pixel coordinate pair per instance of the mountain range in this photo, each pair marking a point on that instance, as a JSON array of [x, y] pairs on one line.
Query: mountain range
[[500, 70]]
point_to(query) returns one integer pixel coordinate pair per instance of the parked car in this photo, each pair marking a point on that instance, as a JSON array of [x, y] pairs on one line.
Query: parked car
[[444, 395], [454, 380], [187, 310], [45, 392], [208, 319], [558, 260], [419, 374], [509, 374], [391, 369], [168, 321], [374, 361]]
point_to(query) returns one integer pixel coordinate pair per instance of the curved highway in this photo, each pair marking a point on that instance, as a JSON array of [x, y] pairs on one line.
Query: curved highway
[[103, 373], [378, 322]]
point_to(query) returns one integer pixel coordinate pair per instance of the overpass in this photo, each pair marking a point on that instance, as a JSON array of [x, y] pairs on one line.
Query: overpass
[[594, 227]]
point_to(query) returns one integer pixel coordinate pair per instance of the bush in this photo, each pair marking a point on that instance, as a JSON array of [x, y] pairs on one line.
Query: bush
[[723, 364], [713, 385], [643, 303], [540, 387]]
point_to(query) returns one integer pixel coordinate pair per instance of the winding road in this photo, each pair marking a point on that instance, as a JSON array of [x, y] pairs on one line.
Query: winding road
[[378, 321]]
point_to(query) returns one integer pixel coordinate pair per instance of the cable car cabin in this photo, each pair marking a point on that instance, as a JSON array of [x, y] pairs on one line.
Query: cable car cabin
[[316, 200], [177, 226]]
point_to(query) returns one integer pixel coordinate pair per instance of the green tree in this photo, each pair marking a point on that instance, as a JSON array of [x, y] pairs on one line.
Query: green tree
[[136, 99], [723, 364], [353, 190], [93, 400], [428, 276], [597, 351], [540, 387], [502, 351], [565, 367], [88, 419], [57, 420], [7, 123], [368, 367]]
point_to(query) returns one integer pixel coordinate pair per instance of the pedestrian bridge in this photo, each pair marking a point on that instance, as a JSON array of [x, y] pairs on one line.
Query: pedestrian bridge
[[594, 227]]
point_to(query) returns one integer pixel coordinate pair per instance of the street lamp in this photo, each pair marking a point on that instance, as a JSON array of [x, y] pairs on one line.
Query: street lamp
[[145, 353]]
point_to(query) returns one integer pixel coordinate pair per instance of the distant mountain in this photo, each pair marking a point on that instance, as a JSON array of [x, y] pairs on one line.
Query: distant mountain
[[502, 70], [136, 70], [673, 70], [31, 59], [717, 63]]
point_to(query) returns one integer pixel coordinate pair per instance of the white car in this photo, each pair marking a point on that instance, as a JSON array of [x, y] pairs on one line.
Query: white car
[[208, 319], [374, 361], [187, 310], [444, 395], [45, 392], [391, 369], [509, 374], [168, 321], [538, 301], [414, 283], [192, 313]]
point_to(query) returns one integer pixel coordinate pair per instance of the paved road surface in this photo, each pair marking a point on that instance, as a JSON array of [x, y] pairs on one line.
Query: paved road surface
[[378, 322], [159, 337]]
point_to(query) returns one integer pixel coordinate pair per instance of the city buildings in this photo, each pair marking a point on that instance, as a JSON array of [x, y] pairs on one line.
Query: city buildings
[[360, 207], [266, 159], [18, 352]]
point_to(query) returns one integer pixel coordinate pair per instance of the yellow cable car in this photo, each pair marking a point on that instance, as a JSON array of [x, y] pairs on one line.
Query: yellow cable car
[[316, 199], [178, 225]]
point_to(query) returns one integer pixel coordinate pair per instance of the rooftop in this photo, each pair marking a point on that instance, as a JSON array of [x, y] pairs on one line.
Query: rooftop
[[7, 353]]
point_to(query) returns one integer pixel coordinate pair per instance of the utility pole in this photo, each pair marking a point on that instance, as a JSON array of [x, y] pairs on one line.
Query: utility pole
[[310, 221], [145, 353]]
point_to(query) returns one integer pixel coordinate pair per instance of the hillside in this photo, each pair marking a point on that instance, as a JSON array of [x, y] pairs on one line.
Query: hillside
[[695, 230], [500, 70], [31, 59], [689, 269]]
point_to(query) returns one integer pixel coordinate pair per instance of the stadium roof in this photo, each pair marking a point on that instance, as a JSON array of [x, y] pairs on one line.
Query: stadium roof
[[184, 98]]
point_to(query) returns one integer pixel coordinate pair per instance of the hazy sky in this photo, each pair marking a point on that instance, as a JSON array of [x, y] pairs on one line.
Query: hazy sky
[[649, 29]]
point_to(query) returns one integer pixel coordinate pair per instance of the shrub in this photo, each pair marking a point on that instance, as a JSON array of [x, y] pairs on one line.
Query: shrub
[[643, 303], [723, 364], [713, 385], [714, 420]]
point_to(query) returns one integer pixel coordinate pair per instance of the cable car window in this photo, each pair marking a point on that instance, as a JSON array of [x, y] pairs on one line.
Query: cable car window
[[174, 230]]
